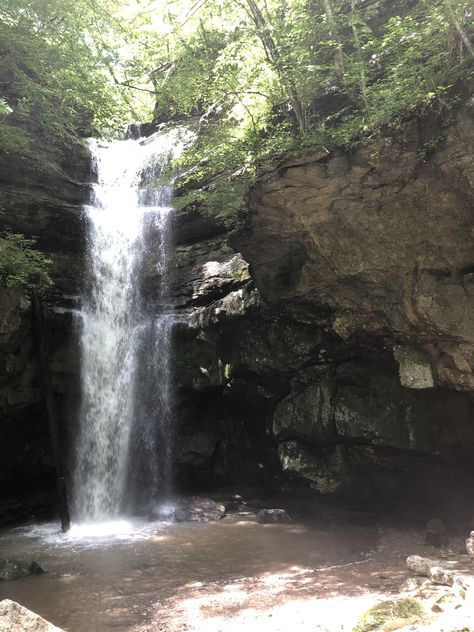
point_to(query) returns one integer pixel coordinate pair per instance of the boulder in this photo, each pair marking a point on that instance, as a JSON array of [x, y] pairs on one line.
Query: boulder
[[430, 568], [269, 516], [420, 565], [16, 618], [435, 533], [196, 509], [14, 569]]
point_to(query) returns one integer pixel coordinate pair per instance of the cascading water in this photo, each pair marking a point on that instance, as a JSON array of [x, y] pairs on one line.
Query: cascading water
[[125, 439]]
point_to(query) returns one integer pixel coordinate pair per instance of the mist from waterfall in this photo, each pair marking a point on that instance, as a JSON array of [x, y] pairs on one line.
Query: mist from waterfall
[[124, 448]]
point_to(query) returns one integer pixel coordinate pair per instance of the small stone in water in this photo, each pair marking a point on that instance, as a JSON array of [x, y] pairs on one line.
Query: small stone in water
[[268, 516], [14, 569]]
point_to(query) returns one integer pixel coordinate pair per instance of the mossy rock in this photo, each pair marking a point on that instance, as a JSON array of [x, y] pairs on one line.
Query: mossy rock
[[391, 615], [14, 569]]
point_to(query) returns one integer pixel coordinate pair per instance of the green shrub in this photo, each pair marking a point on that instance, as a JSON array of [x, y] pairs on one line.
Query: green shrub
[[21, 264]]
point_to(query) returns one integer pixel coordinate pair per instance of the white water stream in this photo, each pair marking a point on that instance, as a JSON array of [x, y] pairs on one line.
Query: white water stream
[[125, 438]]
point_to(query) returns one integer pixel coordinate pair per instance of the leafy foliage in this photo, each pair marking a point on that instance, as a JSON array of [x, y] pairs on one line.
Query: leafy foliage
[[21, 264], [349, 72], [56, 67], [4, 108], [260, 79]]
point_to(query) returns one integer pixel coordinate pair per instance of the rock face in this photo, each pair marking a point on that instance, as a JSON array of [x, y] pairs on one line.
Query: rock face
[[16, 618], [46, 205], [377, 245], [24, 447], [373, 251], [197, 509], [219, 414], [329, 344]]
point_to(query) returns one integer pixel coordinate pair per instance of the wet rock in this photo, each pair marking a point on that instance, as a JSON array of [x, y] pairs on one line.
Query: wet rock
[[435, 533], [470, 544], [269, 516], [14, 569], [196, 509], [17, 618]]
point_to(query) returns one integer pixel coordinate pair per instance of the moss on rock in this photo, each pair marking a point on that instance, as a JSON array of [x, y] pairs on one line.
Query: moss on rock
[[384, 615], [14, 569]]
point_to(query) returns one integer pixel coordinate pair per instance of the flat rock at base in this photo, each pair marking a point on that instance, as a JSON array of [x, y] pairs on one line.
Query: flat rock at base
[[16, 618], [269, 516], [458, 581], [430, 568], [14, 569], [196, 509]]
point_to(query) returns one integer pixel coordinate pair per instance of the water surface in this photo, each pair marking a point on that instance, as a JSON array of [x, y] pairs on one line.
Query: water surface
[[116, 582]]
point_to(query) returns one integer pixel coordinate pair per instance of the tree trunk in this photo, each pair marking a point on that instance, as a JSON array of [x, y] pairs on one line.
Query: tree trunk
[[335, 33], [360, 59], [43, 353], [461, 31], [273, 57]]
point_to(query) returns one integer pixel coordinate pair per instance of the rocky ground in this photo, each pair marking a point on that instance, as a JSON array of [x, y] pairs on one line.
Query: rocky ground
[[327, 569], [335, 597]]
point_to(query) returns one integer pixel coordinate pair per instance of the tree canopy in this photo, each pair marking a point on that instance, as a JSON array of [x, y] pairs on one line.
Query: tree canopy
[[262, 77]]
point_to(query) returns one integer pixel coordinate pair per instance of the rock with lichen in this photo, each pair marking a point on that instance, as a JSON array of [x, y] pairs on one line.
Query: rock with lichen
[[14, 569], [17, 618]]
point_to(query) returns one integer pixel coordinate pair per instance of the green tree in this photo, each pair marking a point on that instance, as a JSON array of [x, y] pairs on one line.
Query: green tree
[[55, 67], [259, 78]]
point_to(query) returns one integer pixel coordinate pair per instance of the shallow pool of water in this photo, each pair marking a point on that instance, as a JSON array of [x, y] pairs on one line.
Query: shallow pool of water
[[114, 576]]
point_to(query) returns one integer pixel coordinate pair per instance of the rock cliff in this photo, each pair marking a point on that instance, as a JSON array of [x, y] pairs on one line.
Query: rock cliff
[[375, 249], [46, 205], [329, 343]]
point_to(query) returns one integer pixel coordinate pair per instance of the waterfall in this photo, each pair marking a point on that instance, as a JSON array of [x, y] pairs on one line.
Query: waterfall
[[124, 445]]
